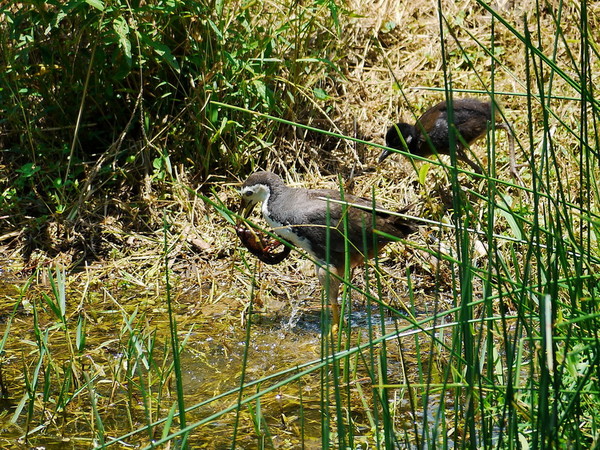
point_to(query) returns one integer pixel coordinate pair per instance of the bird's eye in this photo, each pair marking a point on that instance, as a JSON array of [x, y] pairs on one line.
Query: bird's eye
[[247, 193]]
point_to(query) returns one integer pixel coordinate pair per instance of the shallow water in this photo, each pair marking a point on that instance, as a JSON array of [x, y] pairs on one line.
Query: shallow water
[[281, 354]]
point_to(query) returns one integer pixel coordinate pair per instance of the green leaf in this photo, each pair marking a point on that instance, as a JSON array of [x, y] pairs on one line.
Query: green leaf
[[28, 170], [215, 29], [321, 94], [161, 50], [122, 29], [264, 93], [510, 218], [157, 163], [388, 26], [80, 335], [212, 113], [98, 4], [423, 173], [219, 7]]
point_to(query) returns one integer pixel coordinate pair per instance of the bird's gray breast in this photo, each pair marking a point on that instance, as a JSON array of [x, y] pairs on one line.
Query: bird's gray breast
[[285, 216]]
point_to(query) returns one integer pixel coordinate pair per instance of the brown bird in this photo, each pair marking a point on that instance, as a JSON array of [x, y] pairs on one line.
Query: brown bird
[[470, 118], [305, 218]]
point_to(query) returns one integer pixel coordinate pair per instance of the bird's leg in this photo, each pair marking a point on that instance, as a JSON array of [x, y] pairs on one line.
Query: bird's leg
[[511, 149], [460, 154], [331, 286]]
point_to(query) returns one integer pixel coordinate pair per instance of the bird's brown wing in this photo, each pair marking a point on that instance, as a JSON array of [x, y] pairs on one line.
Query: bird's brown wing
[[426, 123], [360, 221]]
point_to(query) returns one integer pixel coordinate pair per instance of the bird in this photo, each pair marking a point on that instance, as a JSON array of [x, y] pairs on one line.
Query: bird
[[470, 118], [311, 219]]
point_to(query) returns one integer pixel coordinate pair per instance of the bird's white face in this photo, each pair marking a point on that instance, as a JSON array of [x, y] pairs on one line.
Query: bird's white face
[[251, 195], [255, 193]]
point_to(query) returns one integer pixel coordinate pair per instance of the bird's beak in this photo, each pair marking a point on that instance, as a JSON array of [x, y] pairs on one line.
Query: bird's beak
[[246, 207], [384, 154]]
